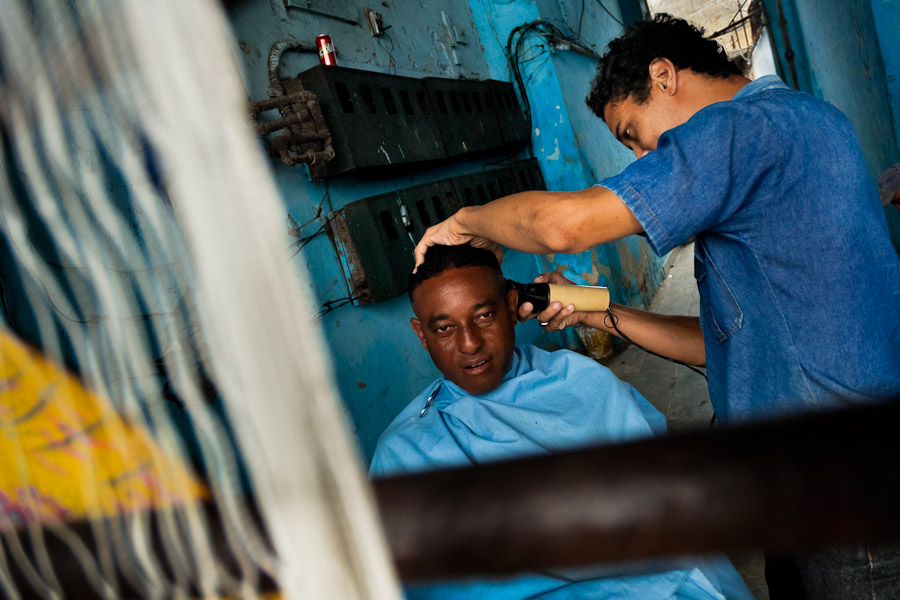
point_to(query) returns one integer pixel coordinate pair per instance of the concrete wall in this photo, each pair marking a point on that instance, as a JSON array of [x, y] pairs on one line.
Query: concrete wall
[[379, 363]]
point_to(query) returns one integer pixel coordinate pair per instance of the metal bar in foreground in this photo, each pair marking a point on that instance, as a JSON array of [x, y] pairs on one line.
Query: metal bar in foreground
[[789, 485]]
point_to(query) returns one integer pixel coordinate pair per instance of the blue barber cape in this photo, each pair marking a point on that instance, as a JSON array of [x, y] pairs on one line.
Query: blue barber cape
[[547, 402]]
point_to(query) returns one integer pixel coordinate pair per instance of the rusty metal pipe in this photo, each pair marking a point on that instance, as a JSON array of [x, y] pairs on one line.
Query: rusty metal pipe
[[264, 127], [786, 40], [310, 113], [285, 142], [275, 52], [276, 87], [282, 101]]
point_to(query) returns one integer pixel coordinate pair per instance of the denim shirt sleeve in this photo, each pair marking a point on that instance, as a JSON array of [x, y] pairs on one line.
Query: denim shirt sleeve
[[700, 174]]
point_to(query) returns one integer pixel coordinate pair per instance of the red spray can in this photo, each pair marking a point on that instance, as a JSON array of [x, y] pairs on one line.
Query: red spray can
[[326, 50]]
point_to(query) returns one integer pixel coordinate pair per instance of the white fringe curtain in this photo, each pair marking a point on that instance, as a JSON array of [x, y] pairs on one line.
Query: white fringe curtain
[[105, 100]]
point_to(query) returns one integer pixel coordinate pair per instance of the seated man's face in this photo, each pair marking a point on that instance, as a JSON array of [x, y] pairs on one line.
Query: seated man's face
[[467, 325]]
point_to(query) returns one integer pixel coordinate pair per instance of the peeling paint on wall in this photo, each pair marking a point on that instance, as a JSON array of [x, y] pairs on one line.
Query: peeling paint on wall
[[555, 154]]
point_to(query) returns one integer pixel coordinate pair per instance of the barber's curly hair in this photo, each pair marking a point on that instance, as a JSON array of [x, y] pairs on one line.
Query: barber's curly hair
[[440, 259], [624, 70]]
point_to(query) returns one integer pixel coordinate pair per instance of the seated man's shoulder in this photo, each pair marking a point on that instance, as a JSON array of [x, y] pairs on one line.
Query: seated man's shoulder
[[408, 418], [563, 359], [401, 439], [584, 380]]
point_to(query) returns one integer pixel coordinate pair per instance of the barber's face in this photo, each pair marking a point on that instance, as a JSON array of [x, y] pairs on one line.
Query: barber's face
[[638, 126], [467, 326]]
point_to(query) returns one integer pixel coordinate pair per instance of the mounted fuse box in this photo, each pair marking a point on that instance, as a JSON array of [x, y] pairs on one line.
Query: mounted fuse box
[[378, 121], [375, 236], [467, 115], [375, 119]]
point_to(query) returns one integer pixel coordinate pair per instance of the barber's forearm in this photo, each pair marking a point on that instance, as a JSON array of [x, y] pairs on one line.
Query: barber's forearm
[[677, 337], [513, 221], [551, 222]]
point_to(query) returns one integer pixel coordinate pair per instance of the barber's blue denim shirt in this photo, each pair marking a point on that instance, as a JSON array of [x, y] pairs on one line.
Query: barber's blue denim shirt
[[799, 284]]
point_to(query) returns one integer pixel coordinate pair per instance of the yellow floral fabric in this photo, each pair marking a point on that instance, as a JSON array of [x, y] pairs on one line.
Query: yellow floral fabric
[[66, 454]]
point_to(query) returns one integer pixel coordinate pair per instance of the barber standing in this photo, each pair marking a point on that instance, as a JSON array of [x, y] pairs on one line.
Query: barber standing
[[799, 284]]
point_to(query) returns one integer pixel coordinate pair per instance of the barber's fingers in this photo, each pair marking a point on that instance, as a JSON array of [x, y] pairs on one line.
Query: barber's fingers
[[446, 233], [525, 312], [553, 277], [435, 234], [421, 248], [480, 242], [557, 317]]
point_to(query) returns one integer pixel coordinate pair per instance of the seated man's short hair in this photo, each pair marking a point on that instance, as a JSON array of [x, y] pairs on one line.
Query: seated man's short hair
[[440, 259]]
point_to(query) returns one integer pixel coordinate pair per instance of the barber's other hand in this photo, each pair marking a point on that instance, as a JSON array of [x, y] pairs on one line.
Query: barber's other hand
[[556, 316], [451, 233]]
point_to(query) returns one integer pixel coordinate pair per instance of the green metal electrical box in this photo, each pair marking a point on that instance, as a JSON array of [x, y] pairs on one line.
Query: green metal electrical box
[[375, 236], [380, 121]]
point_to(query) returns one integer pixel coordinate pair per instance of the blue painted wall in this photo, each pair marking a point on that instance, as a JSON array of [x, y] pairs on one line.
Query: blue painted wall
[[574, 148], [634, 271], [886, 15], [379, 363], [788, 38], [846, 52], [839, 55]]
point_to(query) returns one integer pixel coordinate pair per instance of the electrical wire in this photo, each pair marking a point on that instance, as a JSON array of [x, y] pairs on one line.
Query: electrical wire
[[333, 305], [612, 320], [489, 14], [554, 38], [538, 67], [611, 16], [533, 52], [580, 19], [514, 42], [296, 230], [302, 242], [390, 52]]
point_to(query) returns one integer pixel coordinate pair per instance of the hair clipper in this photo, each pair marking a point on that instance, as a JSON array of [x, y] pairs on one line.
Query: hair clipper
[[541, 295]]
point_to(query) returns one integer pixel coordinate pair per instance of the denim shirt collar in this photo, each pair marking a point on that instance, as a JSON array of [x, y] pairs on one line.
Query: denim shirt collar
[[766, 82]]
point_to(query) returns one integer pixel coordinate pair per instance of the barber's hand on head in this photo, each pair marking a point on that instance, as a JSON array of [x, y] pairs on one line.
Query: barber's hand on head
[[555, 317], [449, 233]]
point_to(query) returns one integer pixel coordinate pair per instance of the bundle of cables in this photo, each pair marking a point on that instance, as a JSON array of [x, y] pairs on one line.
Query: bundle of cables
[[554, 37]]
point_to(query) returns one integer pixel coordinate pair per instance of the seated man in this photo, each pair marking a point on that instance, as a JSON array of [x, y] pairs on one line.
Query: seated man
[[497, 400]]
